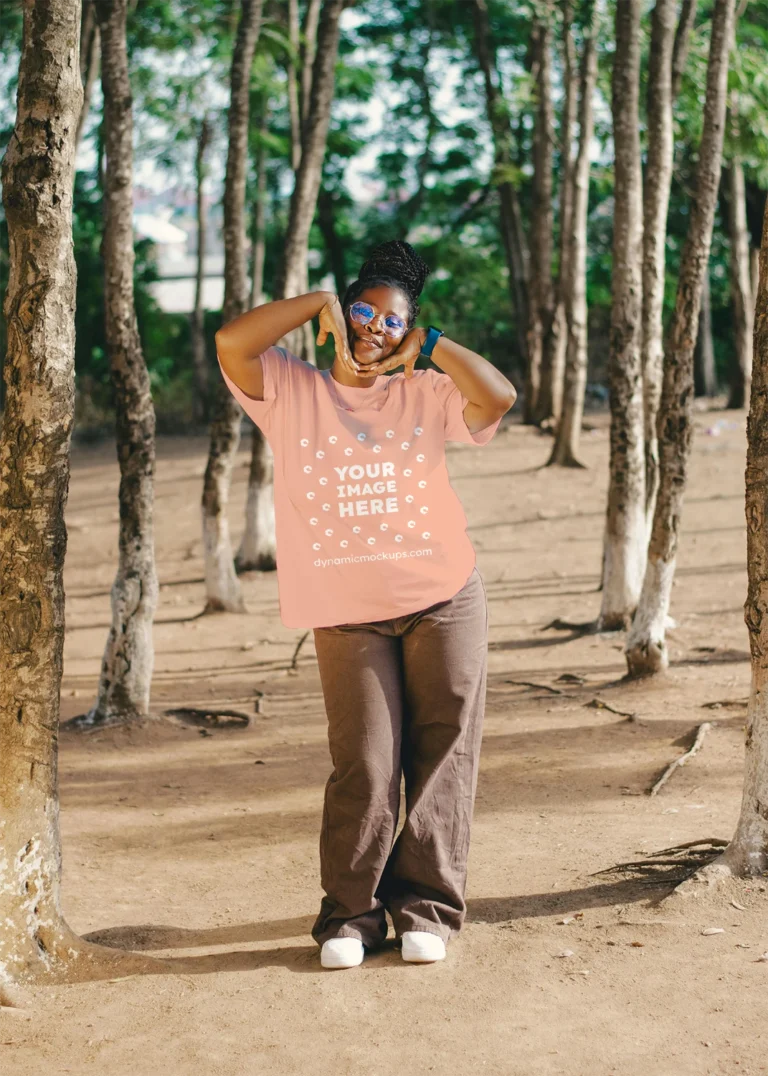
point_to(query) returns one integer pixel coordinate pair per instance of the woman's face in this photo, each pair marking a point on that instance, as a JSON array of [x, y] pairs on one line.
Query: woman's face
[[369, 343]]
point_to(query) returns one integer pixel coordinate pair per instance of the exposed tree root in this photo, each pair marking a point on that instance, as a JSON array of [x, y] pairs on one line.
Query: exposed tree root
[[599, 704], [588, 627], [294, 667], [695, 747], [214, 719], [671, 866], [725, 703], [540, 687]]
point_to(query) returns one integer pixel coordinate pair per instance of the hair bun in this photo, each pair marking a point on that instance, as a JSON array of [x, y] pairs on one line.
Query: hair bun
[[398, 260]]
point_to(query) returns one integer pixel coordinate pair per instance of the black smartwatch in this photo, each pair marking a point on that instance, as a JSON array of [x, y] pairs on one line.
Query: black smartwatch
[[433, 335]]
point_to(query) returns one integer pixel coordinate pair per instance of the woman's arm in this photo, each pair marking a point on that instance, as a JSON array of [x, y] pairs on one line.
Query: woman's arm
[[489, 392], [240, 342]]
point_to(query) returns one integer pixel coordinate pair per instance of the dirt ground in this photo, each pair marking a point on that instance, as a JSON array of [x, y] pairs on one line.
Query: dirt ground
[[202, 848]]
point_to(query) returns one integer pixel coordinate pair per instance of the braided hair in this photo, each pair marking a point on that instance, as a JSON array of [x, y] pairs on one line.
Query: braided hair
[[394, 264]]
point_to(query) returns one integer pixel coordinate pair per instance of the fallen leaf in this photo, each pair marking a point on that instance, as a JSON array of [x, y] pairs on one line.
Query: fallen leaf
[[568, 919], [637, 945], [712, 930], [566, 953], [762, 959], [736, 904]]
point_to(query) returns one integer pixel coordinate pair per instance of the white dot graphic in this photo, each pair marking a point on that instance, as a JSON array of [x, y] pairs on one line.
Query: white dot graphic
[[411, 522], [347, 451], [377, 448], [344, 543], [307, 469], [355, 530], [329, 532], [405, 444], [409, 498], [407, 472], [421, 458], [390, 433], [425, 534], [323, 481], [320, 454], [315, 545], [313, 521], [311, 496], [303, 442], [384, 527], [361, 437], [333, 439], [422, 484], [424, 510], [398, 537], [418, 430], [371, 541], [326, 507]]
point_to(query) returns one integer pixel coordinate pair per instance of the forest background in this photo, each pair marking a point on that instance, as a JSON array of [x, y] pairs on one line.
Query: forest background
[[409, 154]]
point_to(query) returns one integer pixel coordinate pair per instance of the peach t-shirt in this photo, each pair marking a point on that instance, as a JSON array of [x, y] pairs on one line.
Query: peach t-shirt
[[367, 524]]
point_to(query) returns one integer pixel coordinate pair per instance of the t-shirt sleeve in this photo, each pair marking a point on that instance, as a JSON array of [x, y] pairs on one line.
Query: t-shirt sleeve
[[453, 403], [276, 375]]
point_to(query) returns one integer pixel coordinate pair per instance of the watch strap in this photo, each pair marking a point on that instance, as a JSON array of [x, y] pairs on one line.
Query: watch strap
[[433, 335]]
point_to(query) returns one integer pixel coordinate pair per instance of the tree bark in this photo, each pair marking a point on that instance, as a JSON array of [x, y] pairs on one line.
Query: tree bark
[[512, 231], [293, 89], [326, 218], [741, 288], [704, 376], [747, 853], [646, 647], [199, 356], [566, 448], [37, 179], [90, 54], [625, 530], [307, 52], [656, 191], [126, 669], [259, 214], [222, 587], [538, 395], [556, 341]]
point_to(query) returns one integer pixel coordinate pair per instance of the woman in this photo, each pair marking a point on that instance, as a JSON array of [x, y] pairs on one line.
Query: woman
[[373, 555]]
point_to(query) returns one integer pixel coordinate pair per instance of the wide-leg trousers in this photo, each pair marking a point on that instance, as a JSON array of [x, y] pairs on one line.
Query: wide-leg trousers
[[403, 697]]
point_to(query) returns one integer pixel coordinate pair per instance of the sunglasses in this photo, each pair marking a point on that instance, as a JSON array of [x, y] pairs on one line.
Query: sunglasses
[[362, 313]]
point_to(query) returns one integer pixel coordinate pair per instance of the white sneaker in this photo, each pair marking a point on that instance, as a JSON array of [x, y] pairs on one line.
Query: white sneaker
[[421, 947], [341, 953]]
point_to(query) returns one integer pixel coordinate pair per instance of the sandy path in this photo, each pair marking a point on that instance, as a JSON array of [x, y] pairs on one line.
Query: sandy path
[[204, 848]]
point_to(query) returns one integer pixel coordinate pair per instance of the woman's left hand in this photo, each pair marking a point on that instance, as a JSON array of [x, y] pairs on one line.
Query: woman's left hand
[[406, 354]]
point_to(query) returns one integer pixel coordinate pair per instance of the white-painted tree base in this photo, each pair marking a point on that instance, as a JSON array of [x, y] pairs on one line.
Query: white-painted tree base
[[623, 572], [258, 547], [646, 649], [222, 587]]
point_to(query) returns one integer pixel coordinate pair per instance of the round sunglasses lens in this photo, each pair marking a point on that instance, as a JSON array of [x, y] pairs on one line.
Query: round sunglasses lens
[[361, 312]]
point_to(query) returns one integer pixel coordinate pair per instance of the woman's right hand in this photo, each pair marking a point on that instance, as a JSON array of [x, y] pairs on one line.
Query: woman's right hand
[[332, 321]]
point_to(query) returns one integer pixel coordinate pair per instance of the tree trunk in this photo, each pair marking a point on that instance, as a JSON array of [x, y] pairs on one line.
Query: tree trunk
[[293, 89], [625, 528], [37, 179], [126, 668], [747, 854], [259, 215], [538, 395], [741, 288], [222, 587], [257, 548], [556, 341], [307, 52], [90, 53], [293, 276], [646, 646], [199, 356], [326, 218], [566, 449], [658, 181], [704, 376], [512, 231]]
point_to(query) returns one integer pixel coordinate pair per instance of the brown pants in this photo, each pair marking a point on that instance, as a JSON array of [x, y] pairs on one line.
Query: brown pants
[[402, 695]]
